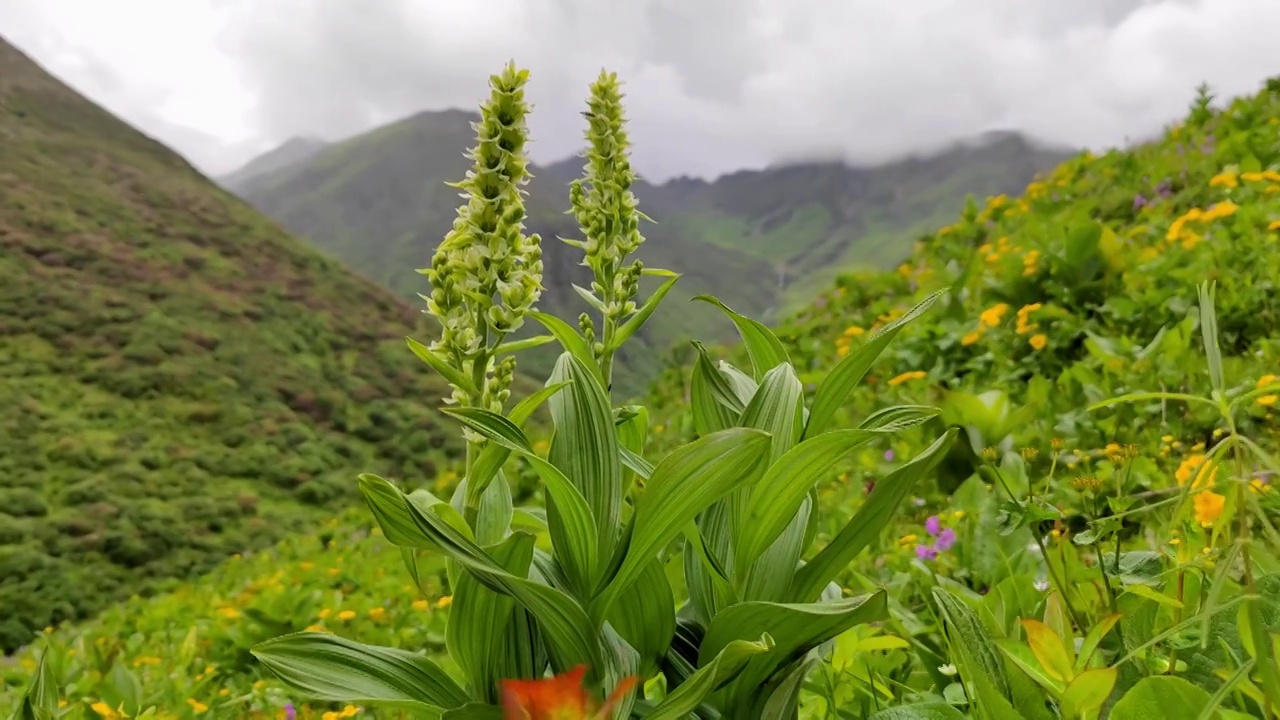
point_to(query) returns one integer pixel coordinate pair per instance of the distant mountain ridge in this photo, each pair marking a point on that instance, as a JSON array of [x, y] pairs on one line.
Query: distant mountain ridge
[[762, 240]]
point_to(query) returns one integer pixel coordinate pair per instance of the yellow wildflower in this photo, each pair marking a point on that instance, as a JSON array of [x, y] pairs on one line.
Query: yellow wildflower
[[378, 613], [346, 615], [908, 539], [1226, 179], [1266, 380], [421, 605], [324, 613], [1038, 341], [197, 707], [104, 710], [445, 601], [971, 338], [315, 628], [854, 331], [992, 316], [229, 613], [908, 377], [1209, 507], [349, 711]]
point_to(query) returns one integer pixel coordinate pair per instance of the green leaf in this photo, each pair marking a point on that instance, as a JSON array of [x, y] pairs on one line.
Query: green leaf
[[40, 701], [838, 383], [1048, 649], [966, 632], [769, 577], [763, 347], [632, 435], [564, 623], [1142, 396], [455, 376], [515, 346], [776, 498], [870, 520], [636, 321], [722, 669], [491, 458], [480, 621], [921, 711], [898, 417], [1088, 691], [1094, 638], [715, 404], [635, 463], [1209, 334], [646, 617], [585, 446], [777, 408], [570, 339], [686, 482], [795, 628], [589, 297], [1160, 697], [328, 667]]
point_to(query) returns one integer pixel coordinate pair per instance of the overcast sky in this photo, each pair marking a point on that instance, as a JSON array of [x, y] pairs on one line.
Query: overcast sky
[[713, 85]]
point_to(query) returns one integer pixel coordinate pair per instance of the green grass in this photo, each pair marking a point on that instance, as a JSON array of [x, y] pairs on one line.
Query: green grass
[[180, 379]]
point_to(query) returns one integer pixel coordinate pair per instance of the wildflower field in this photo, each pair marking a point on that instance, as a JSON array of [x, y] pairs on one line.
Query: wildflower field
[[1028, 475]]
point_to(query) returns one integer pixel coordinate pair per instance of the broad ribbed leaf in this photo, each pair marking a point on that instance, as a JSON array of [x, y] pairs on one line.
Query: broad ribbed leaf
[[441, 365], [328, 667], [1161, 696], [635, 463], [976, 654], [763, 347], [795, 628], [838, 383], [684, 484], [515, 346], [776, 498], [769, 577], [720, 671], [40, 701], [744, 387], [646, 617], [493, 456], [870, 520], [714, 403], [569, 338], [569, 519], [585, 446], [565, 624], [899, 417], [479, 619], [706, 578], [776, 408], [642, 314]]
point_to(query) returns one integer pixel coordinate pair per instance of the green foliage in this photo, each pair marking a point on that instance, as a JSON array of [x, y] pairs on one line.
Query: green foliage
[[180, 380]]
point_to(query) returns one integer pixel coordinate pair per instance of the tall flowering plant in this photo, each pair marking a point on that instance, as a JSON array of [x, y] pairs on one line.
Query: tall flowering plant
[[548, 633]]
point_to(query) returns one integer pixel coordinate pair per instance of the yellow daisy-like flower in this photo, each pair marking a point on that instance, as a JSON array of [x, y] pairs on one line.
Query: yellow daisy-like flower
[[908, 377], [1209, 505], [197, 707], [421, 605], [992, 316], [445, 601], [1038, 341], [971, 338], [377, 614], [346, 615]]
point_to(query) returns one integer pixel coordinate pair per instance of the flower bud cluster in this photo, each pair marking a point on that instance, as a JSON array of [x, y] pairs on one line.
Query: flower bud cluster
[[603, 203], [487, 274]]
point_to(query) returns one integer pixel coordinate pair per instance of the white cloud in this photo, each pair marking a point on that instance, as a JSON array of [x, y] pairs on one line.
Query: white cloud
[[712, 84]]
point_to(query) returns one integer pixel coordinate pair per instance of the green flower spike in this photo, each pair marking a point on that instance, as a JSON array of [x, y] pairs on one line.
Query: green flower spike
[[487, 274]]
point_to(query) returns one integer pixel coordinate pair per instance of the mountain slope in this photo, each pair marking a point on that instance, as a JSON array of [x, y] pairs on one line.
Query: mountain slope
[[295, 150], [814, 220], [180, 379], [379, 202]]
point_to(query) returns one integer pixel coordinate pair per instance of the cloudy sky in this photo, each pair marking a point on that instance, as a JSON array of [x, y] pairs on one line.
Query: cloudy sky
[[713, 85]]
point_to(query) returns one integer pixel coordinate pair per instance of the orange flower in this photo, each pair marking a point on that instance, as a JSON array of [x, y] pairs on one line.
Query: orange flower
[[557, 698]]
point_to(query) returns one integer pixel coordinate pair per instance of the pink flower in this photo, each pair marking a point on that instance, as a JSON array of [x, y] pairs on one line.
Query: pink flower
[[933, 525]]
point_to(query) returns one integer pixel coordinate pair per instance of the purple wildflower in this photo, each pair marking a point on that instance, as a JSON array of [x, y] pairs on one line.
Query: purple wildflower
[[946, 539], [933, 525], [889, 456], [1139, 202], [926, 552], [289, 712]]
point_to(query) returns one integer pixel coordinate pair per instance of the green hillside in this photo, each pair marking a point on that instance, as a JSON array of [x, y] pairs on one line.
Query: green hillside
[[179, 379], [1081, 289], [756, 239]]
